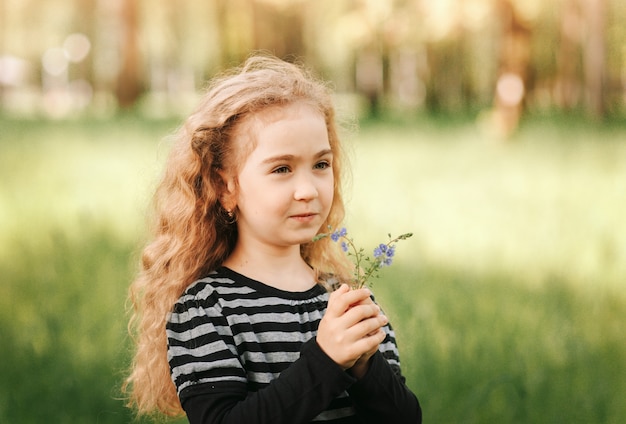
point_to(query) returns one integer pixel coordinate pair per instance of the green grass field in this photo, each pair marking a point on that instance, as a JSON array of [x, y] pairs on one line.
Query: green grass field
[[509, 301]]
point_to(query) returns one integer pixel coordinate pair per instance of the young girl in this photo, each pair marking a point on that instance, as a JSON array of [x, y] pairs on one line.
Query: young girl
[[241, 318]]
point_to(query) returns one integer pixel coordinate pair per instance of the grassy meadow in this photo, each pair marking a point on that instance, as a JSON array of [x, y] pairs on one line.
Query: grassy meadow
[[509, 301]]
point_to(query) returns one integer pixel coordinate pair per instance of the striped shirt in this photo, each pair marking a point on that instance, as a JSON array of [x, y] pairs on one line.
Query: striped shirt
[[227, 330]]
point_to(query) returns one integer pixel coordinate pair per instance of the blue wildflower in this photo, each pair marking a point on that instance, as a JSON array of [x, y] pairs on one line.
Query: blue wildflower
[[384, 261], [336, 235], [365, 268], [380, 250]]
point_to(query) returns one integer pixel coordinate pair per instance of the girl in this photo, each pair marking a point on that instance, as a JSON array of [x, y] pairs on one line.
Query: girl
[[241, 318]]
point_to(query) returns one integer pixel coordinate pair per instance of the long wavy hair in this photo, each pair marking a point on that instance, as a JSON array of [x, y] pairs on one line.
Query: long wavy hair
[[191, 233]]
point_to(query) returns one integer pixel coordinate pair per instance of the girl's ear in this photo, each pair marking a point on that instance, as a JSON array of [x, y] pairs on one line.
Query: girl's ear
[[228, 196]]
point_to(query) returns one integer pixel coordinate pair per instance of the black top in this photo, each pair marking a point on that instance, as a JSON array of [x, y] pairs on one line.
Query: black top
[[244, 352]]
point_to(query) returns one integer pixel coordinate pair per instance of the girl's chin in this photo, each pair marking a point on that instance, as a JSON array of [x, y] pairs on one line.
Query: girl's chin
[[302, 235], [305, 238]]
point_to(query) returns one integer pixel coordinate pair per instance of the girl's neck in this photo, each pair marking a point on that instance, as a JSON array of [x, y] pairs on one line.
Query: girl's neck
[[287, 272]]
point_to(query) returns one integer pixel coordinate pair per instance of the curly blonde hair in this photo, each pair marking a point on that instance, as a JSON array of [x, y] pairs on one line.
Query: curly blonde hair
[[191, 234]]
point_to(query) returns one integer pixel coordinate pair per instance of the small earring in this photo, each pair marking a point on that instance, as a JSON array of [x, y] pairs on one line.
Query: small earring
[[231, 217]]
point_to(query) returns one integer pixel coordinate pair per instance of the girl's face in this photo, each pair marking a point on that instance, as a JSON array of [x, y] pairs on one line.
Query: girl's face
[[284, 189]]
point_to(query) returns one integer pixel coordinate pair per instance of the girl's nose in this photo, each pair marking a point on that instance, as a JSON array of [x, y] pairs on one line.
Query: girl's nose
[[305, 188]]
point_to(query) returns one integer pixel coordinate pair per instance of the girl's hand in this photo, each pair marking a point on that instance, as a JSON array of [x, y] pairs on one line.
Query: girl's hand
[[351, 327], [362, 365]]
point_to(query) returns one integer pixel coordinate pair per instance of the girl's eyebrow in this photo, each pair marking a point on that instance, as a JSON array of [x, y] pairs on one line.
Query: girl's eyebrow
[[324, 153], [284, 158]]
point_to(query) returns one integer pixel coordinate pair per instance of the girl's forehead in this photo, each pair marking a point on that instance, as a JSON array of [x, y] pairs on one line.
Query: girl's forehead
[[251, 125], [275, 113], [245, 138]]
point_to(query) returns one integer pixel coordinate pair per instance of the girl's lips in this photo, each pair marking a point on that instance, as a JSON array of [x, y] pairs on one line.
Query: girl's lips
[[304, 216]]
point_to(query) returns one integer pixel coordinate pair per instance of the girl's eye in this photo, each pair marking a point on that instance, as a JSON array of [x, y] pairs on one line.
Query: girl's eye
[[322, 165], [281, 170]]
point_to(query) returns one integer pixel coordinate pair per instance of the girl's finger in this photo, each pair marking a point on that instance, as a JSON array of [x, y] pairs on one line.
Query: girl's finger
[[367, 328], [370, 343], [343, 298], [359, 313]]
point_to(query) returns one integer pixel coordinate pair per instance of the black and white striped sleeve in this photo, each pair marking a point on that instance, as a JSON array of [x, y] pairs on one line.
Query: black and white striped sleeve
[[212, 384], [201, 348]]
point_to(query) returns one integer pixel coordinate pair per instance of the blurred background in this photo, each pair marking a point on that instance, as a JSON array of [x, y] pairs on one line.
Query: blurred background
[[494, 130], [66, 57]]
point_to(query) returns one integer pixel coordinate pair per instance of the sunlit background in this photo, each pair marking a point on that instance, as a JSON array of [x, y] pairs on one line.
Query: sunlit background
[[494, 130], [59, 58]]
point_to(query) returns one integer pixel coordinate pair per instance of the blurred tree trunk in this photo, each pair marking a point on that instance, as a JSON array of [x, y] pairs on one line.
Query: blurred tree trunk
[[369, 77], [278, 29], [514, 70], [3, 36], [85, 23], [129, 85], [594, 57], [234, 20], [221, 10], [568, 83], [446, 85]]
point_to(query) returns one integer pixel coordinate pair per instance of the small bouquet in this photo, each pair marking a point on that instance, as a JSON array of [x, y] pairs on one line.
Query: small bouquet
[[365, 267]]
